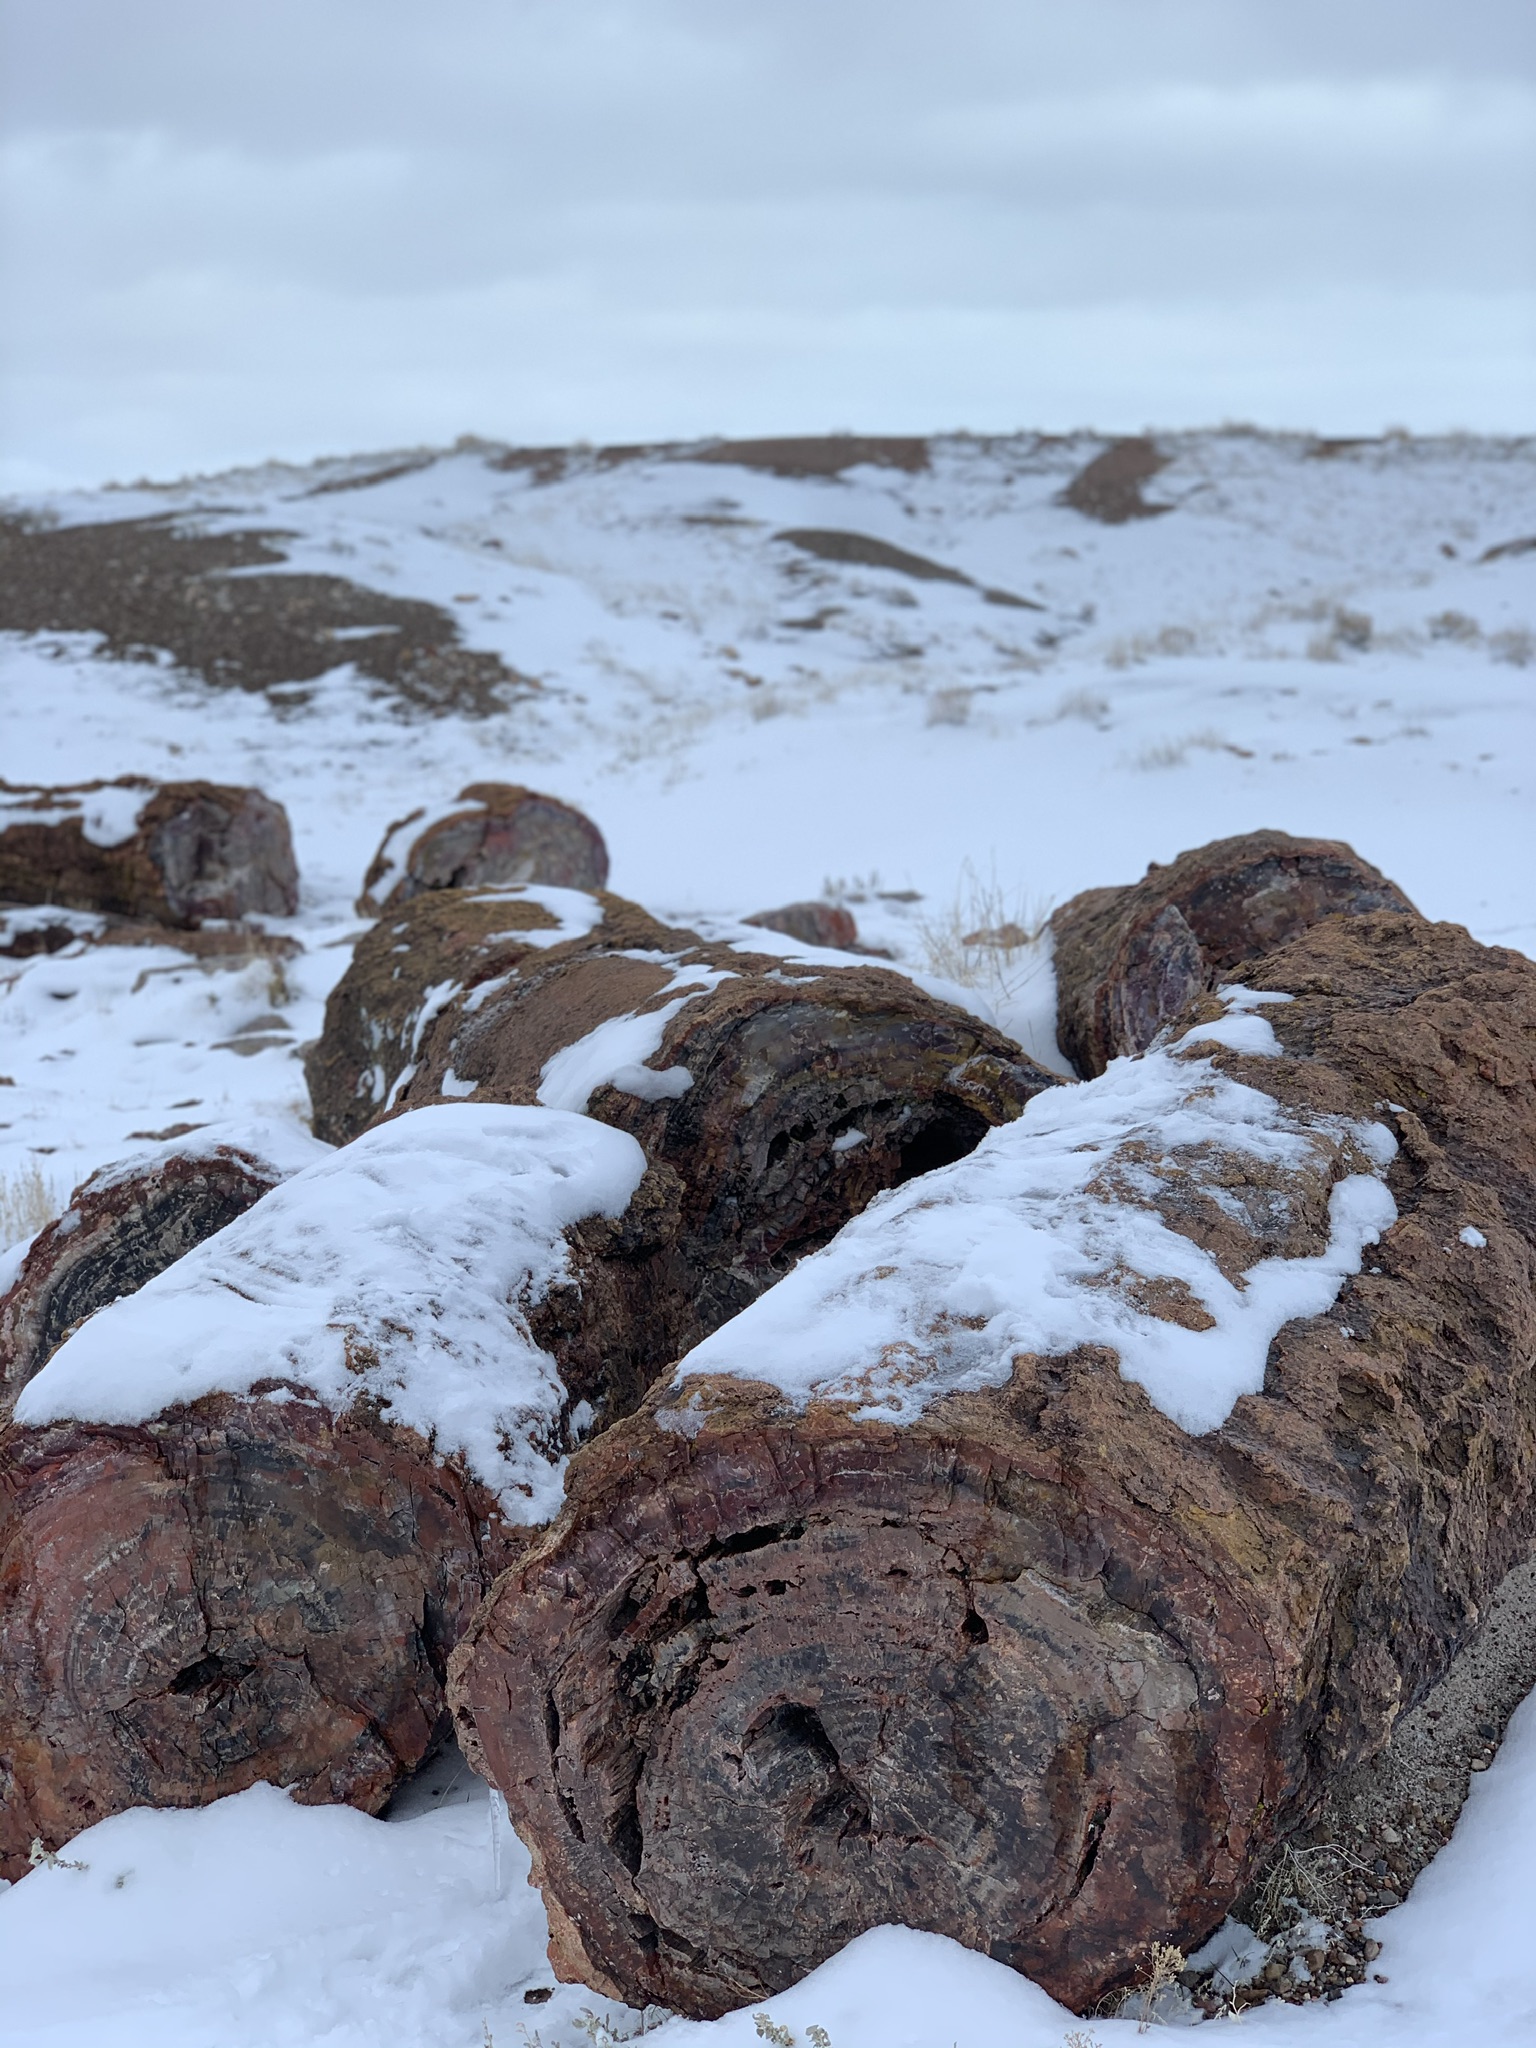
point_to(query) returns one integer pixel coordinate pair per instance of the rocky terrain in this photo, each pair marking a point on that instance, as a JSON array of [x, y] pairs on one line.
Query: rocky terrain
[[924, 1404]]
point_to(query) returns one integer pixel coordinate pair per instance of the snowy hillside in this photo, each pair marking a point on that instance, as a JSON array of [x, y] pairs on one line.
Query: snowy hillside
[[909, 676]]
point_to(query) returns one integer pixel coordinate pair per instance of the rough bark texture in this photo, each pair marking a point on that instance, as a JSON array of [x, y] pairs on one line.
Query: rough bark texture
[[119, 1230], [1128, 960], [444, 940], [240, 1590], [1038, 1670], [503, 834], [199, 850]]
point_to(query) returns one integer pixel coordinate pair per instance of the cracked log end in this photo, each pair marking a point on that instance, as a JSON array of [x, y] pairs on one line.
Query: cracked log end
[[118, 1231], [500, 834], [780, 1680], [239, 1590], [1128, 960]]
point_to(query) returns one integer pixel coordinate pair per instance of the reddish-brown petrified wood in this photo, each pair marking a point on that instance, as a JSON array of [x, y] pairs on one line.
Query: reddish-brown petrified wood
[[781, 1099], [1128, 960], [120, 1229], [234, 1591], [1038, 1670], [497, 834], [195, 850]]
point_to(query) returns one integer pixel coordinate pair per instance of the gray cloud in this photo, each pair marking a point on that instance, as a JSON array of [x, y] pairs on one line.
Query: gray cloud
[[312, 224]]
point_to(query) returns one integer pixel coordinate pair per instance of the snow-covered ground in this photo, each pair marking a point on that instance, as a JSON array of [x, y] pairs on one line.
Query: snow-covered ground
[[1339, 643]]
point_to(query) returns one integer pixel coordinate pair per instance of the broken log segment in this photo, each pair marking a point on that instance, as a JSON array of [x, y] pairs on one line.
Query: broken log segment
[[1129, 960], [492, 835], [246, 1511], [130, 1221], [908, 1598], [776, 1097], [436, 947], [772, 1096], [176, 853]]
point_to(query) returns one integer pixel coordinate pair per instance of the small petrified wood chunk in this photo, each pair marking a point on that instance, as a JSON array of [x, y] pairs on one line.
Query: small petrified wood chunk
[[1128, 960], [494, 834], [123, 1226], [246, 1511], [813, 924], [172, 852], [909, 1600]]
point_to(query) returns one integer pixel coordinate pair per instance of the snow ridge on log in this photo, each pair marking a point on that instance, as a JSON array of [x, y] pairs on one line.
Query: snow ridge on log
[[130, 1221], [1071, 1227], [399, 1271]]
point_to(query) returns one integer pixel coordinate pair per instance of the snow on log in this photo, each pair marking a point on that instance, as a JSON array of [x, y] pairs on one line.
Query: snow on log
[[1026, 1562], [246, 1511], [172, 852], [773, 1096], [495, 833], [1128, 960], [130, 1221], [437, 947]]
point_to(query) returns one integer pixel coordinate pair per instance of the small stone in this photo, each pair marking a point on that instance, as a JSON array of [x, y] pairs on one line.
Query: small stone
[[1479, 1763], [1372, 1951]]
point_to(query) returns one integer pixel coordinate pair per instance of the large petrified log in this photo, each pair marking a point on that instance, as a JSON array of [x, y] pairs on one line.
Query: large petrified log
[[1128, 960], [773, 1099], [127, 1223], [1025, 1563], [173, 852], [494, 834], [246, 1511]]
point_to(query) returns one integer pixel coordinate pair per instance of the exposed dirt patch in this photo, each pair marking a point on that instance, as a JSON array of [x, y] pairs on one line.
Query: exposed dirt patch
[[862, 550], [822, 454], [1507, 548], [1109, 489], [159, 586], [800, 455]]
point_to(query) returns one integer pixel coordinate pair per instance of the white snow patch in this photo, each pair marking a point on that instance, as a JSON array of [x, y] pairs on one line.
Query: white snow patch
[[106, 817], [399, 1266], [614, 1052], [282, 1145], [1472, 1236], [938, 1286]]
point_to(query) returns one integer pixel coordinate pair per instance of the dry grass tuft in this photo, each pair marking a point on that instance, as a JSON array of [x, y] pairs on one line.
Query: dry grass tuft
[[27, 1202]]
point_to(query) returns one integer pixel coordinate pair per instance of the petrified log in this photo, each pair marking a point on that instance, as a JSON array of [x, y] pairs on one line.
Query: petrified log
[[129, 1222], [1129, 960], [173, 852], [494, 834], [772, 1098], [910, 1599], [245, 1512], [813, 924]]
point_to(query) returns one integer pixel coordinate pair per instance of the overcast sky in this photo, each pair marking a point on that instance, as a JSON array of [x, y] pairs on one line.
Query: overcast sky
[[239, 228]]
